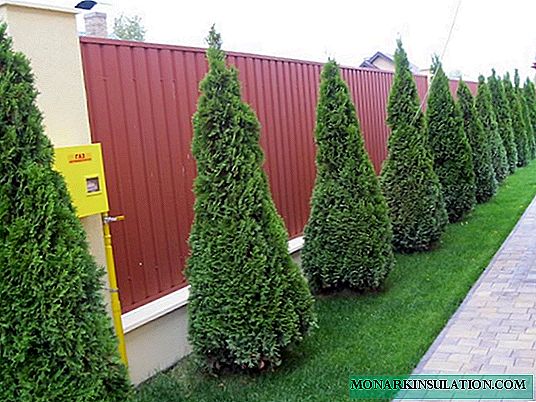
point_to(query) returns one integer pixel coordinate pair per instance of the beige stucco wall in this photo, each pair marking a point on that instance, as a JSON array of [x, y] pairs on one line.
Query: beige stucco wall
[[157, 345], [49, 38]]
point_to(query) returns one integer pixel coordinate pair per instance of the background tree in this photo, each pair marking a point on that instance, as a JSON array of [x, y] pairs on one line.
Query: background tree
[[248, 300], [129, 28], [56, 338], [455, 75], [453, 162], [518, 126], [485, 183], [504, 122], [486, 113], [409, 183], [529, 94], [348, 239], [525, 116]]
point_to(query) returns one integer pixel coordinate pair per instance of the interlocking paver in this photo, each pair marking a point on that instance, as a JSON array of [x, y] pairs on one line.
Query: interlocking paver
[[524, 362], [494, 330]]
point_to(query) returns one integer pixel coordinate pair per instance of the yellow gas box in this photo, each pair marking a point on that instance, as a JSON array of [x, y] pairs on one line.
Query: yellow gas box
[[83, 170]]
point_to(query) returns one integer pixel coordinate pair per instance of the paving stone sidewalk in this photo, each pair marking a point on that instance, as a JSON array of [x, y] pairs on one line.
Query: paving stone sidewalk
[[494, 329]]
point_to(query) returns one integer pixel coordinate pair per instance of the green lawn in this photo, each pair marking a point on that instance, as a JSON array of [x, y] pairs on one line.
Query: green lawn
[[382, 333]]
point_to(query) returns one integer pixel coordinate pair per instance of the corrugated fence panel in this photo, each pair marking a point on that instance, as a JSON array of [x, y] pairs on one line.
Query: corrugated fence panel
[[473, 87], [141, 98], [274, 88], [453, 84]]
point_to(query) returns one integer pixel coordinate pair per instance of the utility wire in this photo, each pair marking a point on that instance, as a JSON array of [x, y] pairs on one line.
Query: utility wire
[[440, 59]]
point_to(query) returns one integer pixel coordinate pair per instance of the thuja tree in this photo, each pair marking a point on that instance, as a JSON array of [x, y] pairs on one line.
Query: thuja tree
[[453, 162], [525, 115], [56, 339], [348, 239], [504, 121], [248, 300], [518, 126], [529, 94], [485, 183], [409, 183], [486, 113]]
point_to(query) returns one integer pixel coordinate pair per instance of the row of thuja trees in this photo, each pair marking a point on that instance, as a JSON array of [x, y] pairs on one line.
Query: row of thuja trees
[[456, 154], [249, 301]]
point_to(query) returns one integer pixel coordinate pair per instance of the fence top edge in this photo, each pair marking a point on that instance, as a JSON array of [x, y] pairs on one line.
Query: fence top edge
[[160, 46]]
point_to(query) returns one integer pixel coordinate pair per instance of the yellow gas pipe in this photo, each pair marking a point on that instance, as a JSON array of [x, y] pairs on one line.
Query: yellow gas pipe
[[114, 291]]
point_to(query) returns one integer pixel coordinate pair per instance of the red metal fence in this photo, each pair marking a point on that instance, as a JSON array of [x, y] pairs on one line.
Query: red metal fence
[[453, 84], [141, 99]]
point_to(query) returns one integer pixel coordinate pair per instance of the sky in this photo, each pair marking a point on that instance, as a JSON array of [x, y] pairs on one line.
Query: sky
[[487, 33]]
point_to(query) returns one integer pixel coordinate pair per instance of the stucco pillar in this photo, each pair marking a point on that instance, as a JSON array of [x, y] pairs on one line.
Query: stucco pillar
[[47, 35]]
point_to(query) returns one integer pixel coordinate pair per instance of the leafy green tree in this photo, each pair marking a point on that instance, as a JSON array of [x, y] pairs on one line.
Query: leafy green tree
[[525, 115], [56, 338], [529, 95], [409, 183], [485, 183], [486, 113], [503, 117], [348, 239], [248, 300], [453, 162], [129, 28], [518, 126]]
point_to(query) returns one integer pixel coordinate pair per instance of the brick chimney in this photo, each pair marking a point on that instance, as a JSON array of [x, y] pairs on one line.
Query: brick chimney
[[96, 24]]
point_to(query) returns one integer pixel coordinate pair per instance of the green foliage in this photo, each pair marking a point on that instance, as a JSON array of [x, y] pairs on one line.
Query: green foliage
[[129, 28], [504, 121], [486, 113], [409, 183], [525, 116], [529, 96], [56, 339], [403, 107], [453, 161], [485, 183], [518, 126], [346, 200], [392, 333], [248, 300], [162, 388]]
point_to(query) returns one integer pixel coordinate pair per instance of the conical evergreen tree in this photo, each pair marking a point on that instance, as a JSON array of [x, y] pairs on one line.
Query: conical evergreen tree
[[504, 121], [529, 94], [485, 183], [518, 126], [248, 300], [525, 115], [56, 338], [453, 162], [409, 183], [486, 113], [348, 239]]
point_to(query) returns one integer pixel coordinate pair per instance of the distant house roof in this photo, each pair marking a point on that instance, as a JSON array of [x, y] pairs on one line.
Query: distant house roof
[[369, 62]]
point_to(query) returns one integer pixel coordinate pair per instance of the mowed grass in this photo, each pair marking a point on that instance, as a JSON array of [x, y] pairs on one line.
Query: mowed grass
[[382, 333]]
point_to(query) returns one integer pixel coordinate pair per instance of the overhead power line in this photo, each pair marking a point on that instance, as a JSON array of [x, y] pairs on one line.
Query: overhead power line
[[451, 29]]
